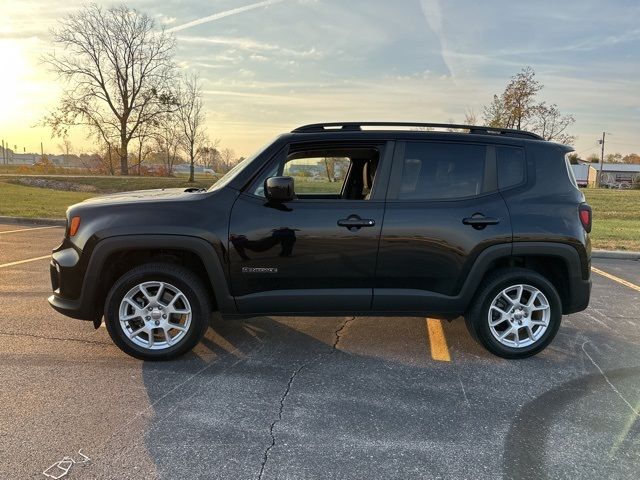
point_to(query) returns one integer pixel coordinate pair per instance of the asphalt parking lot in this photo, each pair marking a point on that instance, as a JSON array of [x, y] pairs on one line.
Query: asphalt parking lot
[[297, 398]]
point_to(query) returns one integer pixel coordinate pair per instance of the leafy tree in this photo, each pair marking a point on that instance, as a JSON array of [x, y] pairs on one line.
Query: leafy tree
[[518, 107], [613, 158], [573, 158], [515, 107], [118, 71], [631, 158]]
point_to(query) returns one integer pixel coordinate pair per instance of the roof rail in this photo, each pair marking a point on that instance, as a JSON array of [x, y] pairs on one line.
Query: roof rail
[[357, 126]]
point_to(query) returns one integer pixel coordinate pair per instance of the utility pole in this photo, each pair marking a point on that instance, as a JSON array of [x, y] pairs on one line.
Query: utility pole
[[4, 159], [601, 142]]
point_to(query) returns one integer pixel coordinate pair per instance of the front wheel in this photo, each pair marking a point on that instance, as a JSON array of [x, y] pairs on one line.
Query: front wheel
[[516, 314], [157, 311]]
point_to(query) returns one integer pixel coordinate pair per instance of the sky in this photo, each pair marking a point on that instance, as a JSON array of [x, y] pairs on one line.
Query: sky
[[269, 66]]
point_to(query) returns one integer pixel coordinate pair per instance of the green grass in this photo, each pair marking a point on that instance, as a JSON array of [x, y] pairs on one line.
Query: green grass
[[616, 218], [306, 185], [22, 201], [125, 184], [616, 213], [33, 202]]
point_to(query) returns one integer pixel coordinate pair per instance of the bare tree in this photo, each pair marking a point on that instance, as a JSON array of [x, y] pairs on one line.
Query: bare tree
[[65, 146], [470, 117], [144, 136], [168, 139], [550, 124], [210, 156], [228, 159], [329, 166], [118, 71], [191, 115], [107, 162]]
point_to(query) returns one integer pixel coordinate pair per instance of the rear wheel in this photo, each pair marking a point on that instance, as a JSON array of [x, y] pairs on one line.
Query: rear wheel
[[516, 314], [157, 311]]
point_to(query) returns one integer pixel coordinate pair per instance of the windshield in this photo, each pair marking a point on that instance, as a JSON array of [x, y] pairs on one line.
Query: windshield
[[231, 174]]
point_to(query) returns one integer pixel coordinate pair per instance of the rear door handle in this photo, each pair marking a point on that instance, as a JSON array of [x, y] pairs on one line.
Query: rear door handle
[[479, 221], [354, 222]]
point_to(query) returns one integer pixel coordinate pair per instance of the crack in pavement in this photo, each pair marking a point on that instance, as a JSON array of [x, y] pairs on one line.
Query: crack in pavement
[[45, 337], [283, 398], [265, 457], [338, 332]]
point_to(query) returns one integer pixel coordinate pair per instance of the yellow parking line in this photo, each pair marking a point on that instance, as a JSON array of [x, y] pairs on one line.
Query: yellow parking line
[[439, 349], [621, 281], [24, 261], [29, 229]]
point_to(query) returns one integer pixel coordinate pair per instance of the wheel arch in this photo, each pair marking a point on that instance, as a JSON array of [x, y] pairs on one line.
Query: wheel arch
[[113, 256], [557, 262]]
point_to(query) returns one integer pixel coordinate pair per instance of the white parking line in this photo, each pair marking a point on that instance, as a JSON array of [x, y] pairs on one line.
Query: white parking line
[[24, 261], [29, 229]]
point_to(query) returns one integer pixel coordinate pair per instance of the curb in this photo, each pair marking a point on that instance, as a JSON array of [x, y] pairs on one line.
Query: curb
[[615, 254], [34, 221]]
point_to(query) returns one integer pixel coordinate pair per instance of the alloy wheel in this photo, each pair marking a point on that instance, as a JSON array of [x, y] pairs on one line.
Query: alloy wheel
[[519, 315], [155, 315]]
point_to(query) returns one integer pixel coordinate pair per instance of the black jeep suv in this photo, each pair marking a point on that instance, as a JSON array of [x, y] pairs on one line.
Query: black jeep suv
[[336, 219]]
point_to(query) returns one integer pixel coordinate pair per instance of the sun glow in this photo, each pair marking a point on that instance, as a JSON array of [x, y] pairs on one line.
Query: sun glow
[[14, 76], [26, 93]]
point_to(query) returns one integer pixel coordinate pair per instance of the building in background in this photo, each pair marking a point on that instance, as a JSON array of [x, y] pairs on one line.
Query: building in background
[[586, 175], [616, 174]]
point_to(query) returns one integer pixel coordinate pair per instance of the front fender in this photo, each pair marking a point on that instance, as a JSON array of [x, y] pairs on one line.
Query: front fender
[[200, 247], [86, 307]]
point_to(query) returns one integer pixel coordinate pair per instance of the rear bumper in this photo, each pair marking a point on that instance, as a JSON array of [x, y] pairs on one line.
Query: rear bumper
[[579, 296]]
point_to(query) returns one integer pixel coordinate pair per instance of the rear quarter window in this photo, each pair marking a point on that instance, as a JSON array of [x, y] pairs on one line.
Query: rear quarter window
[[511, 166], [572, 176]]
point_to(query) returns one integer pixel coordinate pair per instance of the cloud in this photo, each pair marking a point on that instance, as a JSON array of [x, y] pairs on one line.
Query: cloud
[[226, 13], [250, 45], [167, 20], [433, 16]]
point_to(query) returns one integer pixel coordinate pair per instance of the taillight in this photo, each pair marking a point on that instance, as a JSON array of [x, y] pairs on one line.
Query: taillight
[[584, 211]]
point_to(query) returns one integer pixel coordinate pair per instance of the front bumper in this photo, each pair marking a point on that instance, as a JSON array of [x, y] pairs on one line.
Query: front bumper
[[72, 308], [67, 275]]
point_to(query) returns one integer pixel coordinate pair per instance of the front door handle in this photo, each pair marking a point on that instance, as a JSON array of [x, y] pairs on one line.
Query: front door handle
[[479, 221], [354, 222]]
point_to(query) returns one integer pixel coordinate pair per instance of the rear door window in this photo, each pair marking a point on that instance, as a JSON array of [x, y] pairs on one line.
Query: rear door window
[[437, 171]]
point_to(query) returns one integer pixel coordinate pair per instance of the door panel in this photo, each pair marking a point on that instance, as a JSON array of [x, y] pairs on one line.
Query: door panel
[[427, 247], [295, 257]]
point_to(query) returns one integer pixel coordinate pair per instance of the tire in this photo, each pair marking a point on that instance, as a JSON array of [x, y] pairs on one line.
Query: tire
[[166, 303], [500, 310]]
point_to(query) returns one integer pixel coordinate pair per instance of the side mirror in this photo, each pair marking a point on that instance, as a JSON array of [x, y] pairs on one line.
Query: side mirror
[[279, 189]]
